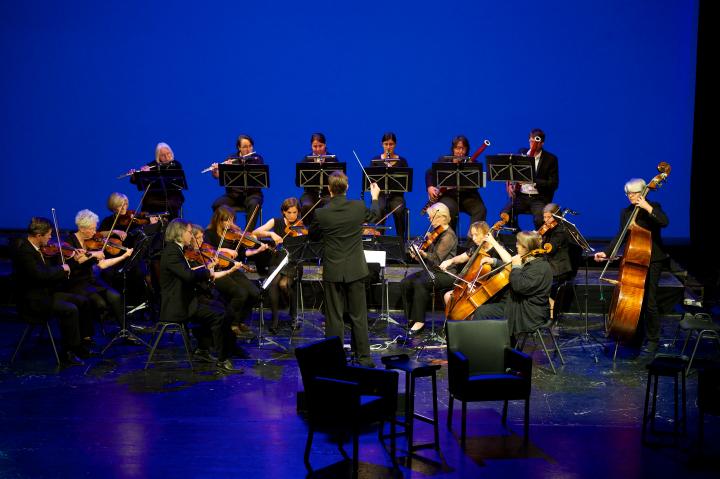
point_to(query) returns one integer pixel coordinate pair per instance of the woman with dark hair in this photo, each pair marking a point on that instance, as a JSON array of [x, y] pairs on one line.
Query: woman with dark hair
[[310, 196], [391, 200], [284, 283], [469, 200], [236, 198]]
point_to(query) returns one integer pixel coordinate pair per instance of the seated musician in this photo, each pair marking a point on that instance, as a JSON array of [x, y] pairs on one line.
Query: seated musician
[[477, 233], [83, 278], [532, 197], [470, 200], [526, 305], [391, 200], [236, 198], [180, 302], [310, 196], [651, 217], [553, 232], [236, 289], [36, 284], [158, 200], [417, 288], [284, 283]]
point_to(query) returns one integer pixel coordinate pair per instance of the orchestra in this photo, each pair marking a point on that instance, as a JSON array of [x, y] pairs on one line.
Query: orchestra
[[183, 265]]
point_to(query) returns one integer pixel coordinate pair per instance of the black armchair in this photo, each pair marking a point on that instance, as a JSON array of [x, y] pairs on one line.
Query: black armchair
[[483, 367], [341, 398]]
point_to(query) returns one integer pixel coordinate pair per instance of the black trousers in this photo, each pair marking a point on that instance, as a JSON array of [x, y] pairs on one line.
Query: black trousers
[[417, 290], [240, 293], [242, 202], [526, 204], [388, 203], [212, 326], [275, 292], [308, 199], [68, 308], [347, 299], [470, 203]]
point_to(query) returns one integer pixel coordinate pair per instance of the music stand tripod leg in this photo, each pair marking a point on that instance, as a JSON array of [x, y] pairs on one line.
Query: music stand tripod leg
[[124, 333]]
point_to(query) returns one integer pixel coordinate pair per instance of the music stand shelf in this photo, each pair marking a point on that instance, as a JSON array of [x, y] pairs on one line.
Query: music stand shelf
[[244, 176], [394, 179], [315, 175]]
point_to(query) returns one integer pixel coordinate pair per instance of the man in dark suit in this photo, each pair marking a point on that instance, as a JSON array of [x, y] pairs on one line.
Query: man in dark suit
[[532, 197], [179, 301], [339, 224], [35, 281]]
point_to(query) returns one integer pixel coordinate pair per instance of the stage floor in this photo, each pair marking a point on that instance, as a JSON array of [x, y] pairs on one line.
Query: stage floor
[[113, 419]]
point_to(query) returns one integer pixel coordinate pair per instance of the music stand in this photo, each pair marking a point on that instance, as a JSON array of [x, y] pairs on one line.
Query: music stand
[[244, 176], [161, 180], [516, 168], [576, 237], [315, 175], [458, 176], [129, 263], [393, 179], [302, 250], [261, 338], [380, 257], [433, 336]]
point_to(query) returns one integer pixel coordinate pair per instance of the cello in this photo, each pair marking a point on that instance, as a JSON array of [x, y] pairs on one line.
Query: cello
[[627, 298]]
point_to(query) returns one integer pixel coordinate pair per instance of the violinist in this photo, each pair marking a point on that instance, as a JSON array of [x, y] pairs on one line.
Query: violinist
[[237, 198], [83, 279], [236, 289], [440, 246], [318, 145], [391, 200], [36, 284], [526, 305], [553, 232], [470, 201], [284, 283], [169, 200], [651, 217], [180, 302], [532, 197]]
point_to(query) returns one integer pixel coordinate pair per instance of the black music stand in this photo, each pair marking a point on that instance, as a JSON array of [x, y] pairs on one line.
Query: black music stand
[[459, 175], [516, 168], [244, 176], [302, 250], [315, 175], [433, 336], [263, 340], [161, 181], [576, 237], [393, 179]]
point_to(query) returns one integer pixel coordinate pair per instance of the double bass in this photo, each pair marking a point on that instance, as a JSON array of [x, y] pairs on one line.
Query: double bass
[[627, 298]]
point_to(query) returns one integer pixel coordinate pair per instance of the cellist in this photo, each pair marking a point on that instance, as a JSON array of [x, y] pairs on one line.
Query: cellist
[[651, 217]]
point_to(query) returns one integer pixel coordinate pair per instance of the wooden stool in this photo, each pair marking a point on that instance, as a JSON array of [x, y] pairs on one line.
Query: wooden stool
[[413, 370]]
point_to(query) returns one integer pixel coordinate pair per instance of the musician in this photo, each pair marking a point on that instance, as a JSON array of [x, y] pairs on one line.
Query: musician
[[532, 197], [36, 282], [237, 198], [477, 233], [526, 306], [83, 279], [318, 144], [240, 293], [553, 232], [651, 217], [284, 283], [180, 302], [168, 200], [339, 225], [440, 246], [391, 200], [470, 200]]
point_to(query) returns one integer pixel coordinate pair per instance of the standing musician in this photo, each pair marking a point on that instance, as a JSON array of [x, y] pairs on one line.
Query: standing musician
[[240, 293], [527, 305], [651, 217], [83, 279], [284, 283], [318, 144], [339, 225], [237, 198], [532, 197], [180, 302], [553, 232], [169, 200], [470, 200], [36, 282], [441, 244], [390, 201]]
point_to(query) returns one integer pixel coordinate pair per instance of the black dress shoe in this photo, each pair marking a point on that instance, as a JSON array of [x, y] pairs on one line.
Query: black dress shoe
[[203, 355], [366, 362], [228, 366], [68, 358]]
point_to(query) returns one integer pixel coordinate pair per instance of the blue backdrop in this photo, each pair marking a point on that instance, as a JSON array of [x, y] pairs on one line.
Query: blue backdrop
[[88, 88]]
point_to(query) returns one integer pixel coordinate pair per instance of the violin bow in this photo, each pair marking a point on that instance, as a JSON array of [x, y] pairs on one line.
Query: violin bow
[[304, 216], [252, 217], [57, 233], [142, 198], [363, 169]]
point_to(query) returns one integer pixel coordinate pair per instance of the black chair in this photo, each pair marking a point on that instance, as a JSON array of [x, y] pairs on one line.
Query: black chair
[[165, 326], [700, 324], [33, 321], [483, 367], [537, 334], [340, 398]]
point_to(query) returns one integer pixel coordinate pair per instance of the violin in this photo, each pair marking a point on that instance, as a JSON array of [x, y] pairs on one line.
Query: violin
[[547, 227], [51, 250], [247, 240], [298, 229], [432, 236], [207, 254], [114, 246], [139, 218]]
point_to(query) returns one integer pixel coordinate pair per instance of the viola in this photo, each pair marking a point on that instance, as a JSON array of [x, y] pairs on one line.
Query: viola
[[547, 227], [297, 229], [114, 246], [432, 236]]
